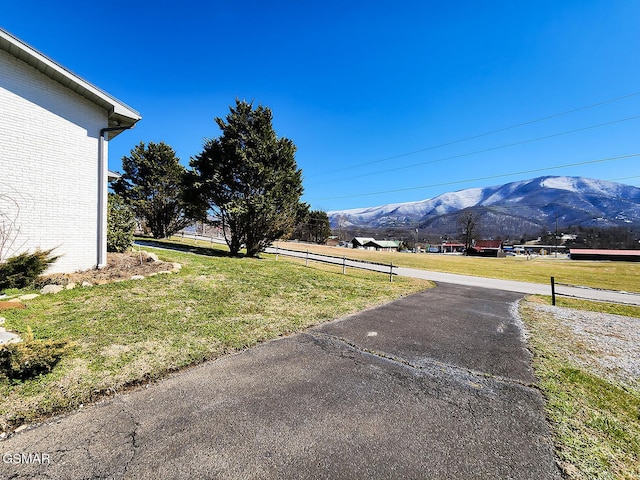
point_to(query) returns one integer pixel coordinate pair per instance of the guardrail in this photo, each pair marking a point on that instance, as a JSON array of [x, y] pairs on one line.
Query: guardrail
[[386, 268]]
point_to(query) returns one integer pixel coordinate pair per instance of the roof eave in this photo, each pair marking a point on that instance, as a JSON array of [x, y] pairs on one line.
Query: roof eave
[[111, 175], [120, 114]]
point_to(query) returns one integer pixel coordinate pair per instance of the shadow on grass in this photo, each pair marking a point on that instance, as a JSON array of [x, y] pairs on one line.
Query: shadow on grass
[[206, 251]]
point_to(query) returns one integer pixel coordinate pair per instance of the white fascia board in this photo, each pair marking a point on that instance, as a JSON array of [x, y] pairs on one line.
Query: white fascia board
[[111, 175], [120, 114]]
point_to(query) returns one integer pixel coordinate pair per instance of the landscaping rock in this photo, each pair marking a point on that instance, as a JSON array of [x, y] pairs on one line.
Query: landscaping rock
[[2, 320], [120, 267], [8, 337], [137, 277], [176, 267], [51, 289], [28, 296], [70, 285]]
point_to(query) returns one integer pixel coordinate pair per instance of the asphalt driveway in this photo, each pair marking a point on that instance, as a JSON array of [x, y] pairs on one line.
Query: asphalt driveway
[[436, 385]]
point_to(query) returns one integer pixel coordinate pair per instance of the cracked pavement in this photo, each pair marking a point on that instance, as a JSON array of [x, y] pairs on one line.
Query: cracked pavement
[[435, 385]]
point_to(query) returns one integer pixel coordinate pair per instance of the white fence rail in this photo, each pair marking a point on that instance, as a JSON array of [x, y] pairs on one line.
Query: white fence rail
[[343, 261]]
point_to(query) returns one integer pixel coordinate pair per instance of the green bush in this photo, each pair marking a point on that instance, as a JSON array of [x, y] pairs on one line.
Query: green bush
[[20, 361], [22, 270], [121, 223]]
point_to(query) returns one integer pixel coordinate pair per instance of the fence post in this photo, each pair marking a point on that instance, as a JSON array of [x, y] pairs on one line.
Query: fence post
[[344, 264], [391, 273], [553, 291], [306, 262], [276, 252]]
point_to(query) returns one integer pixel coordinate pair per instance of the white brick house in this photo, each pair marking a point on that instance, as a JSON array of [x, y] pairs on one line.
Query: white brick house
[[54, 132]]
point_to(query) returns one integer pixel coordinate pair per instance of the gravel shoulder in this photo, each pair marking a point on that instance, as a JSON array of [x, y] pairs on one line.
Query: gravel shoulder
[[609, 344]]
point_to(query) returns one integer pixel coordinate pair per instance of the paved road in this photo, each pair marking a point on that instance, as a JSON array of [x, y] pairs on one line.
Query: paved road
[[471, 281], [523, 287], [435, 385]]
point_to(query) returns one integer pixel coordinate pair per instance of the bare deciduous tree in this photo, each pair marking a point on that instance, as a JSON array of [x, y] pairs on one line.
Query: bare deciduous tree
[[9, 227], [469, 223]]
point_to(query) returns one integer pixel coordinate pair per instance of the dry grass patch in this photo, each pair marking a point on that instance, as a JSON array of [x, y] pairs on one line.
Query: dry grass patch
[[608, 275]]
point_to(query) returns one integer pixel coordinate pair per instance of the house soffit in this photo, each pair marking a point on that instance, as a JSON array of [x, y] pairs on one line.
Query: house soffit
[[120, 114]]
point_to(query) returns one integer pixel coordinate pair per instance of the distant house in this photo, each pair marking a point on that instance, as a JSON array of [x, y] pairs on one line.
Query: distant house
[[332, 241], [612, 255], [450, 247], [486, 248], [538, 248], [359, 242], [382, 245], [55, 130]]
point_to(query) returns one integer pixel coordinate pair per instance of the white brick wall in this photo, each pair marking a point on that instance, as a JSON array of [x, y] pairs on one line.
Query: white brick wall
[[49, 164]]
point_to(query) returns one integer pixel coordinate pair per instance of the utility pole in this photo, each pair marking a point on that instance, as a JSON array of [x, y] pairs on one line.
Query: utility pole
[[556, 235]]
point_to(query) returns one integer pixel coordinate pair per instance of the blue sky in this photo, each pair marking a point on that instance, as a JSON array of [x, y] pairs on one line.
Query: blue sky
[[376, 95]]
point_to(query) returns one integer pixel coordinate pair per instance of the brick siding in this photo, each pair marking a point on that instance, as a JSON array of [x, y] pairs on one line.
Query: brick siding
[[49, 138]]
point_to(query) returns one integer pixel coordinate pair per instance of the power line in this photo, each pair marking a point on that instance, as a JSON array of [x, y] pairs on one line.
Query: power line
[[602, 160], [485, 150], [624, 178], [473, 137]]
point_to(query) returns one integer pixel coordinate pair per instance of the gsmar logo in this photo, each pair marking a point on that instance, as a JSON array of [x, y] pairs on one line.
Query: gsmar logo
[[36, 458]]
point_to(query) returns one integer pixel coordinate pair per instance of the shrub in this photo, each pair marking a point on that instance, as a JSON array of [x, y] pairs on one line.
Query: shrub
[[121, 223], [22, 270], [20, 361]]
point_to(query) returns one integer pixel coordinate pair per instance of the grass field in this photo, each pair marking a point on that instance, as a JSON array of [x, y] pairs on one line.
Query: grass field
[[595, 419], [130, 332], [608, 275]]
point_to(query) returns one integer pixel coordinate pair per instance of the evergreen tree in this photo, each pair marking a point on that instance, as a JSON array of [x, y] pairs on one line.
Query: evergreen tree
[[319, 226], [152, 184], [248, 178], [121, 223], [313, 226]]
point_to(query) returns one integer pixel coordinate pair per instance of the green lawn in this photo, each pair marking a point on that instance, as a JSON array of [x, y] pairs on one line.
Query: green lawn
[[130, 332], [608, 275], [595, 419]]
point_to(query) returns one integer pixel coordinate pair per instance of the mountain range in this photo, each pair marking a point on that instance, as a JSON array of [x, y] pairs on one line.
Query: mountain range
[[516, 208]]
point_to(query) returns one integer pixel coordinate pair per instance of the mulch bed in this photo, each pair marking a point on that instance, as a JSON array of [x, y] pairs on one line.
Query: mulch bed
[[120, 266]]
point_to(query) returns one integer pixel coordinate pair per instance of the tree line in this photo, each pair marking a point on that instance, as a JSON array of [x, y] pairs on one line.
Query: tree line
[[246, 180]]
